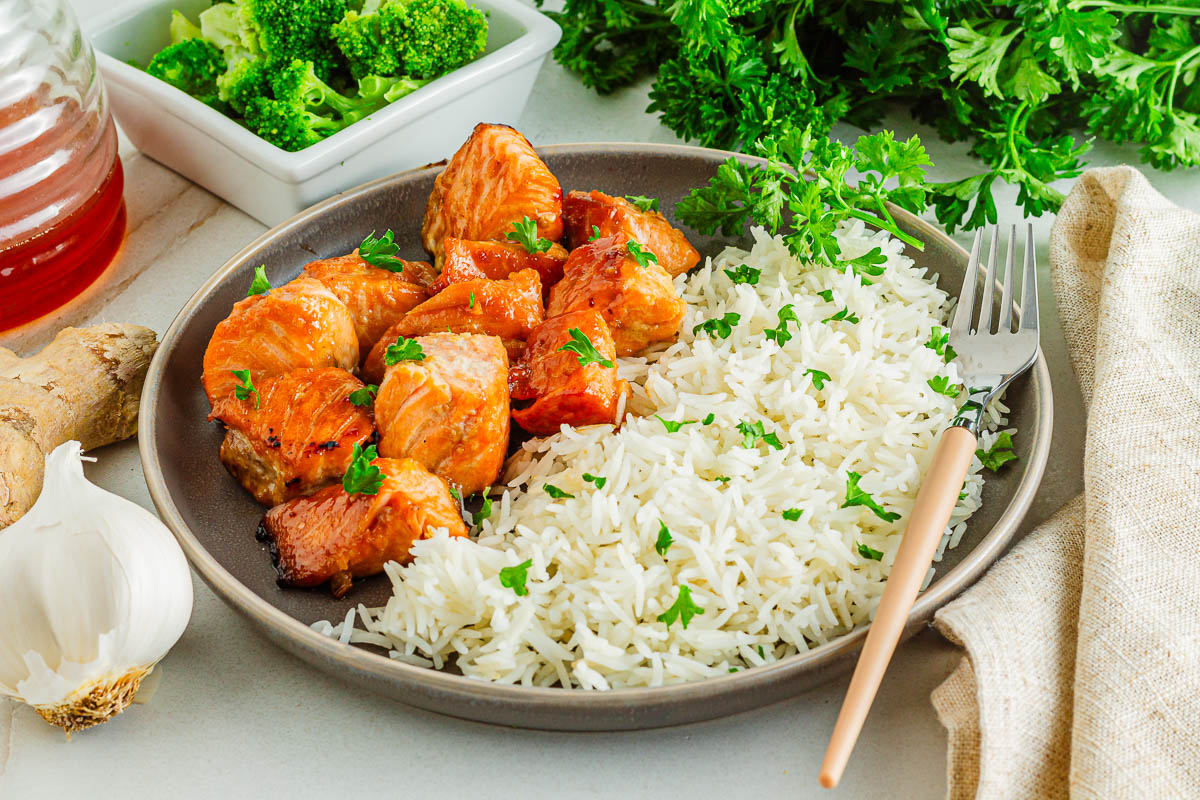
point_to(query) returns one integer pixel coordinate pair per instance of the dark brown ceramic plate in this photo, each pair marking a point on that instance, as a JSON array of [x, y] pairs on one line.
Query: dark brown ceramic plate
[[215, 520]]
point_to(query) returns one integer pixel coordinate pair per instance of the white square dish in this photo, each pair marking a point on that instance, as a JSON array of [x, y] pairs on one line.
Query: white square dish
[[272, 184]]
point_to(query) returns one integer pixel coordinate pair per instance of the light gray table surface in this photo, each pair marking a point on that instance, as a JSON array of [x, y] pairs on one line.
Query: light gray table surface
[[235, 717]]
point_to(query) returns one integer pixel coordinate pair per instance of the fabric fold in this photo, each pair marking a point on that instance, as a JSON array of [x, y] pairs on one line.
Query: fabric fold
[[1084, 642]]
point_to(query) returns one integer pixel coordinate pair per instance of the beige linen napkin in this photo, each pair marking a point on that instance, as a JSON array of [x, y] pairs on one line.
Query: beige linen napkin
[[1082, 670]]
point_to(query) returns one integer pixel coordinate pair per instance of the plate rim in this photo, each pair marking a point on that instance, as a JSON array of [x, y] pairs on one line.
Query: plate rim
[[484, 697]]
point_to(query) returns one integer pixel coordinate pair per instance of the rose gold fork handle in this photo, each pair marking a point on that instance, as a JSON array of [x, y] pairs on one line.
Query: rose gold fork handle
[[926, 524]]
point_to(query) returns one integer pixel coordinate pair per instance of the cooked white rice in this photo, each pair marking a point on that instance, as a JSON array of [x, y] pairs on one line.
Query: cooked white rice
[[768, 587]]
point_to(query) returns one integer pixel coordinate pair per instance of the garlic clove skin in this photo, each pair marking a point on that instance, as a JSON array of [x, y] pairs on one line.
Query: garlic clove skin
[[94, 590]]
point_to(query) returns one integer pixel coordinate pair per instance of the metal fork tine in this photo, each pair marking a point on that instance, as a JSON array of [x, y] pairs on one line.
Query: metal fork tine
[[1029, 303], [1006, 300], [961, 326], [989, 281]]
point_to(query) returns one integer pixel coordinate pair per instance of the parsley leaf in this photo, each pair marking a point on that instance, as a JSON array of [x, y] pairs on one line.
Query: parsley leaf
[[939, 342], [514, 577], [643, 202], [640, 254], [792, 514], [673, 427], [260, 284], [721, 327], [744, 274], [584, 350], [363, 477], [557, 493], [381, 252], [471, 300], [723, 478], [868, 552], [941, 384], [683, 609], [364, 397], [818, 378], [857, 497], [597, 480], [664, 541], [403, 350], [779, 334], [752, 432], [246, 387], [999, 454], [595, 233], [708, 420], [484, 512], [525, 233], [842, 316], [826, 295]]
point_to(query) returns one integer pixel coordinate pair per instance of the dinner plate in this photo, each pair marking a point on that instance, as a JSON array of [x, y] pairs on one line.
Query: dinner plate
[[215, 519]]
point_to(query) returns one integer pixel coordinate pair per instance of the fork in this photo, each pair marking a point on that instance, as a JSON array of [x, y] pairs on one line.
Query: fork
[[988, 362]]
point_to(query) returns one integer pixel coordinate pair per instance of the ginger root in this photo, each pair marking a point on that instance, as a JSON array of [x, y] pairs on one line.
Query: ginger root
[[85, 385]]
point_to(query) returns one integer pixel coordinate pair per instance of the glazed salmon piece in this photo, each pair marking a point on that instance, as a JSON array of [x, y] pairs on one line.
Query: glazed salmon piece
[[376, 297], [616, 216], [466, 260], [493, 181], [510, 309], [639, 303], [299, 324], [335, 536], [563, 390], [449, 410], [300, 436]]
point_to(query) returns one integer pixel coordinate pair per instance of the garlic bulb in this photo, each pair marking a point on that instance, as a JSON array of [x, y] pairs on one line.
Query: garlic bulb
[[94, 591]]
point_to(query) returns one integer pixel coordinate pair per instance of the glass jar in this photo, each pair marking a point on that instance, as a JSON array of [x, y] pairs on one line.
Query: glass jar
[[62, 214]]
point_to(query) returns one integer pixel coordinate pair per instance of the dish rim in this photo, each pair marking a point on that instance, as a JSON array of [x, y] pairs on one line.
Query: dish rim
[[375, 668]]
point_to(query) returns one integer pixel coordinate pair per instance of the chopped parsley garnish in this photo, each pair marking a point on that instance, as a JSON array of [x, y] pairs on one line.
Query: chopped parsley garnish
[[525, 233], [939, 342], [752, 432], [365, 396], [640, 254], [720, 327], [722, 478], [456, 493], [514, 577], [596, 480], [868, 264], [942, 385], [818, 377], [826, 295], [595, 233], [363, 477], [673, 427], [869, 552], [557, 493], [708, 420], [643, 202], [260, 284], [584, 350], [381, 252], [857, 497], [664, 541], [999, 454], [792, 514], [744, 274], [779, 334], [683, 609], [471, 300], [246, 388], [484, 512], [842, 316], [403, 350]]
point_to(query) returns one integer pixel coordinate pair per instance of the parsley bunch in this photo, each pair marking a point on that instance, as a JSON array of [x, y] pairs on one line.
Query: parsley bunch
[[1016, 81]]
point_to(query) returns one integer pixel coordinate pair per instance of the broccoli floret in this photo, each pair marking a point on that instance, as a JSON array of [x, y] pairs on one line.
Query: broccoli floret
[[286, 125], [416, 38], [245, 82], [278, 30], [191, 65], [182, 29], [223, 25]]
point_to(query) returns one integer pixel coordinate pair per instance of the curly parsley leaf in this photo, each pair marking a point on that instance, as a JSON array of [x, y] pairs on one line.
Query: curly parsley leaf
[[857, 497], [525, 233], [381, 252], [515, 577], [999, 454], [245, 386], [683, 609], [584, 350], [744, 274], [779, 334], [403, 350], [753, 432], [818, 378], [640, 254], [721, 327], [664, 541], [939, 342], [363, 477], [260, 284], [643, 202], [364, 397], [942, 385]]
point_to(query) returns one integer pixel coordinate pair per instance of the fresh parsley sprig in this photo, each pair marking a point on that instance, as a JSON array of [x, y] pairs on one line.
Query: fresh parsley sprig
[[584, 350], [525, 233], [752, 432], [260, 284], [664, 541], [857, 497], [245, 387], [363, 477], [381, 252], [403, 350], [720, 327], [683, 609], [515, 577], [643, 202], [640, 254], [999, 454], [364, 397]]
